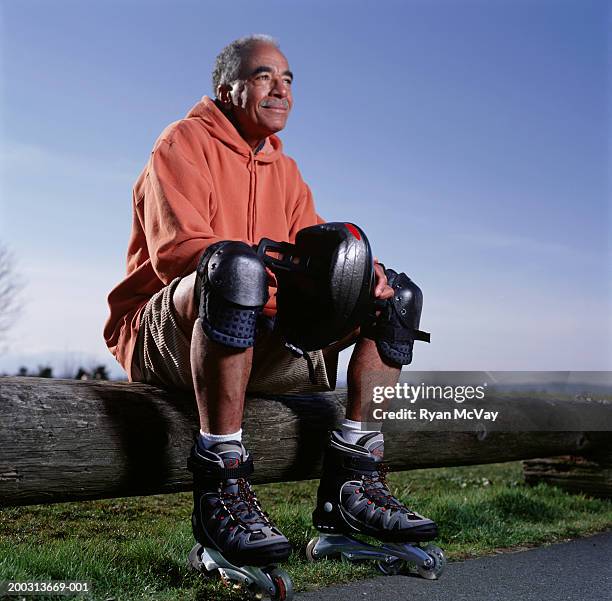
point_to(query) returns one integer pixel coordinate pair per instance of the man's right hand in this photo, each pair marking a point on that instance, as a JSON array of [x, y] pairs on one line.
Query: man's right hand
[[272, 282]]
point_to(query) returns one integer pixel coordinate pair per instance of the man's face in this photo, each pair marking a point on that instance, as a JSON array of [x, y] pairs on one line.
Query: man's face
[[261, 99]]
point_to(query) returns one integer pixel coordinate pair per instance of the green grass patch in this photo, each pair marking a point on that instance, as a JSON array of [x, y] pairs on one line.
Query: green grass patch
[[136, 548]]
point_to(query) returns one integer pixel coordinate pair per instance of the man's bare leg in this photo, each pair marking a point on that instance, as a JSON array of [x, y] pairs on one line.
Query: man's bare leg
[[220, 374], [364, 359]]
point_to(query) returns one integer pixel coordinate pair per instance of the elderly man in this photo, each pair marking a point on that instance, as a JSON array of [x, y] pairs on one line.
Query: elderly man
[[215, 184]]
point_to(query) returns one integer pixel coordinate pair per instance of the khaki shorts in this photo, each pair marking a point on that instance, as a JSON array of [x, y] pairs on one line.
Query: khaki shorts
[[162, 355]]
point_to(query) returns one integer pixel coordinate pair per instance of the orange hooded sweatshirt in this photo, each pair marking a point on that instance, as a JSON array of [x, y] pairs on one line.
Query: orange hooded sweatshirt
[[202, 184]]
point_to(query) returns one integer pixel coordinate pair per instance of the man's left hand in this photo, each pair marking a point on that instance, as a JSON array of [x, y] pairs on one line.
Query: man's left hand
[[382, 290]]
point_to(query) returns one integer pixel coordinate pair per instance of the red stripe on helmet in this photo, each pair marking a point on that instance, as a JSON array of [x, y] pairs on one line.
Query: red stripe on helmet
[[351, 228]]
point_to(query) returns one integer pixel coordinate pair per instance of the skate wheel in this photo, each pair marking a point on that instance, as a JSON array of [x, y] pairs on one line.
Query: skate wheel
[[390, 568], [310, 554], [282, 584], [228, 583], [439, 561]]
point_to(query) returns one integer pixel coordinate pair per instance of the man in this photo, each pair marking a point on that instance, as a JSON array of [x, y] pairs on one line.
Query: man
[[215, 184]]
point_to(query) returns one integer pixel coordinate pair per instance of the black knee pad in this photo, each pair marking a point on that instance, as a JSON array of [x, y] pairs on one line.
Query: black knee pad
[[397, 326], [231, 289]]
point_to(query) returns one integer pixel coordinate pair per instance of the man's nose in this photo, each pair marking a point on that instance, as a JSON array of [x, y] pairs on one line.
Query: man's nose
[[279, 88]]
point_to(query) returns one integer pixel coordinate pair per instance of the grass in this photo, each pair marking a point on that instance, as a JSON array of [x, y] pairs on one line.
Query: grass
[[136, 548]]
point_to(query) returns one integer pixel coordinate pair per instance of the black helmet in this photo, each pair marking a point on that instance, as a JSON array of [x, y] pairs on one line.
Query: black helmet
[[325, 283]]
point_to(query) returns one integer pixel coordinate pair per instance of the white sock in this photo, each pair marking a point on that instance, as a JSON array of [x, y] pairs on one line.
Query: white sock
[[352, 432], [207, 439]]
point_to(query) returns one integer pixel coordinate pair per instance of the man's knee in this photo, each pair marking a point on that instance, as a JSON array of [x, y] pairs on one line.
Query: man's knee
[[229, 292], [185, 309]]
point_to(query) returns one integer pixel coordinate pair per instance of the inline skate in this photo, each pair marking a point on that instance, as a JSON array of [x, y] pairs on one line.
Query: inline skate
[[353, 499], [235, 537]]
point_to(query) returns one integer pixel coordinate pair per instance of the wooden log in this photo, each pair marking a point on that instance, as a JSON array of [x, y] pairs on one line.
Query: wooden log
[[590, 475], [64, 440]]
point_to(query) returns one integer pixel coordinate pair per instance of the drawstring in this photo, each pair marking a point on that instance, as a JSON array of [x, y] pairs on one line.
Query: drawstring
[[311, 369], [298, 352]]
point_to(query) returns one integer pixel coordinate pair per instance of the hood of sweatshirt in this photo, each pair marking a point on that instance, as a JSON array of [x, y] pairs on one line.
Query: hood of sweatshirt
[[221, 128]]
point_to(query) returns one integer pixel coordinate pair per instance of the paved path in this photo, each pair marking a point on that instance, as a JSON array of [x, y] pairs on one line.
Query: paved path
[[580, 570]]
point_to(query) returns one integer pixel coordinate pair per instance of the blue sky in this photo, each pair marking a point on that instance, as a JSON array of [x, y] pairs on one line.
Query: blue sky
[[470, 139]]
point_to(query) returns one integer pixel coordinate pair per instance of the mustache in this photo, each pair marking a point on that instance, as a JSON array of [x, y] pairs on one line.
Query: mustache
[[277, 104]]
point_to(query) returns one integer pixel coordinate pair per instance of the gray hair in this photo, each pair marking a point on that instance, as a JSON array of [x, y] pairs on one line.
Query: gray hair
[[229, 61]]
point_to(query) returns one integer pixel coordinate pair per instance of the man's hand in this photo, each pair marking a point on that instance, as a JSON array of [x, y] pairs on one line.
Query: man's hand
[[272, 282], [382, 290]]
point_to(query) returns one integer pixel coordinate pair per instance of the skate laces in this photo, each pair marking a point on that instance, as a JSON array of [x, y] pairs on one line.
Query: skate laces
[[376, 489], [242, 503]]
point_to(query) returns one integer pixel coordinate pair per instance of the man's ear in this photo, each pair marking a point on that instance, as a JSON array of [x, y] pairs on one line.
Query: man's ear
[[224, 94]]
